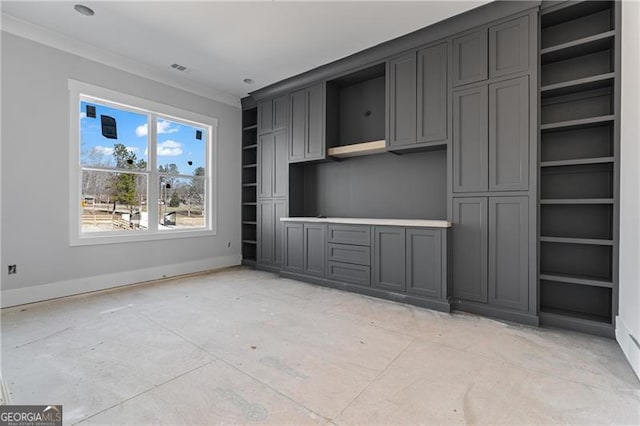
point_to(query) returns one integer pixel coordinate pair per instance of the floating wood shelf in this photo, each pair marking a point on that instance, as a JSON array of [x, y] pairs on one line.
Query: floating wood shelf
[[357, 149]]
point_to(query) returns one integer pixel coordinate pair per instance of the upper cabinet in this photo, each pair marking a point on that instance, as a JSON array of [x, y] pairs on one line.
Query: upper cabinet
[[273, 115], [307, 124], [418, 98], [470, 58], [509, 47]]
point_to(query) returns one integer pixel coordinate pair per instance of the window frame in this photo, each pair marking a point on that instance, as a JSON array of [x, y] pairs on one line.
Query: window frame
[[80, 91]]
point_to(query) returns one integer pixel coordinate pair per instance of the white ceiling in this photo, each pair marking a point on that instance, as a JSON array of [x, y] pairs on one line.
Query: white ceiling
[[224, 42]]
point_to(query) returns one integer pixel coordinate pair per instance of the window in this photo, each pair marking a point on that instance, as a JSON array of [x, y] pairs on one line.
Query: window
[[139, 170]]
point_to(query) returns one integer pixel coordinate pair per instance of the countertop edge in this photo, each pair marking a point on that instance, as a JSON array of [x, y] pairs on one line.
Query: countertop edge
[[414, 223]]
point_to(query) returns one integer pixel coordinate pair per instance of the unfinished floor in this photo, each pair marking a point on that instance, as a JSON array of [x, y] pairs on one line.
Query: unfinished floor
[[241, 346]]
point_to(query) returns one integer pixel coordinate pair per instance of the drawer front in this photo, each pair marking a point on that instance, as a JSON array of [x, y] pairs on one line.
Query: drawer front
[[345, 272], [347, 253], [350, 234]]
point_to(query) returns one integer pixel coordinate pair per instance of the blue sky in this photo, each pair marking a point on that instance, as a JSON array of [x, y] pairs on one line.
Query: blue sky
[[177, 142]]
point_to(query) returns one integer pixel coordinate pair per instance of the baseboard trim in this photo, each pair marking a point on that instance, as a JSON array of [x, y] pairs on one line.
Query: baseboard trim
[[630, 345], [39, 293]]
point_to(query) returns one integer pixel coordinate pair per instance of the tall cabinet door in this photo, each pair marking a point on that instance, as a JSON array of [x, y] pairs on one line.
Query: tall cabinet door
[[314, 142], [509, 252], [297, 124], [280, 165], [265, 165], [470, 58], [509, 135], [315, 249], [470, 245], [432, 94], [265, 232], [265, 117], [389, 266], [470, 140], [424, 262], [280, 210], [280, 113], [402, 100]]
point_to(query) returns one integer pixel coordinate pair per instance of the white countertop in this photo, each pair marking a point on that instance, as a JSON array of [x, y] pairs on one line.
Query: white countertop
[[418, 223]]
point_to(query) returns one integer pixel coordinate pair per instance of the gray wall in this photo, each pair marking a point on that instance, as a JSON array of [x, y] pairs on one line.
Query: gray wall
[[35, 170], [628, 321], [378, 186]]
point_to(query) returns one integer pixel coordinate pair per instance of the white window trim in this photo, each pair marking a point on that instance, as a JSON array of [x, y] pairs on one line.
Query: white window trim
[[76, 237]]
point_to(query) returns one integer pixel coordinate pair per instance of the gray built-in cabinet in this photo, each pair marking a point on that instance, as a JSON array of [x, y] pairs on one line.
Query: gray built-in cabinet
[[418, 89], [272, 165], [307, 124], [270, 231], [273, 115]]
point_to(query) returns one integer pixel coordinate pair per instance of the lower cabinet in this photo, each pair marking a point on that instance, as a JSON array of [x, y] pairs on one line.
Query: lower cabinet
[[424, 256], [491, 251], [293, 257], [389, 258], [270, 231], [305, 248]]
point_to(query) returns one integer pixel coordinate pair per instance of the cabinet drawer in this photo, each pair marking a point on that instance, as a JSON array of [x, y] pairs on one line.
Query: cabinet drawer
[[345, 272], [359, 255], [350, 234]]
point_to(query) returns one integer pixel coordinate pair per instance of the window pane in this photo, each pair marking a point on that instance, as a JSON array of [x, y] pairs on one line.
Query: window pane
[[126, 149], [179, 149], [113, 201], [181, 204]]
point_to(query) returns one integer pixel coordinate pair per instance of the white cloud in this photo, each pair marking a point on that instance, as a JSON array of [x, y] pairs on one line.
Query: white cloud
[[83, 115], [103, 150], [163, 127], [169, 148]]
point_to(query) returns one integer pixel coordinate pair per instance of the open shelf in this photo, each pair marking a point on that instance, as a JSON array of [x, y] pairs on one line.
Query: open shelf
[[249, 222], [577, 201], [576, 144], [252, 127], [586, 302], [561, 221], [254, 146], [568, 240], [250, 166], [568, 11], [577, 124], [355, 150], [576, 279], [249, 184], [578, 106], [594, 160], [585, 260], [577, 85], [249, 242], [579, 181], [580, 47], [580, 20]]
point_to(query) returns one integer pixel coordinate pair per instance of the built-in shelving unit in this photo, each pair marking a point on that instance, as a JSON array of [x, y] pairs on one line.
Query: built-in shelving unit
[[579, 160], [249, 183]]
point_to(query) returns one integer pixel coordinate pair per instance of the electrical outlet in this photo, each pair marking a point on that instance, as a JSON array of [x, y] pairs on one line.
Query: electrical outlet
[[13, 269], [229, 244]]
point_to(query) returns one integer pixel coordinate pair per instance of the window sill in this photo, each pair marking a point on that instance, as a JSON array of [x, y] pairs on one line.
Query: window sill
[[119, 238]]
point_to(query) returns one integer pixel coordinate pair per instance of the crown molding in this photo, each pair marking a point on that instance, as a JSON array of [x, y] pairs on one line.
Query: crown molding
[[24, 29]]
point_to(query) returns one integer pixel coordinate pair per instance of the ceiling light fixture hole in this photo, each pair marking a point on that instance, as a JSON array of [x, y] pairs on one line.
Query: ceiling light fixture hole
[[248, 80], [84, 10]]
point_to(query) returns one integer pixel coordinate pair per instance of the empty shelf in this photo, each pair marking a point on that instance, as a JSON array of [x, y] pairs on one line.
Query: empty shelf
[[253, 126], [249, 166], [577, 201], [580, 47], [577, 279], [252, 146], [590, 241], [365, 148], [577, 85], [249, 242], [580, 161], [581, 123]]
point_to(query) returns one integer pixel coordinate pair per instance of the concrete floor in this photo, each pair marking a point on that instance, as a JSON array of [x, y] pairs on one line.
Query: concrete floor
[[241, 346]]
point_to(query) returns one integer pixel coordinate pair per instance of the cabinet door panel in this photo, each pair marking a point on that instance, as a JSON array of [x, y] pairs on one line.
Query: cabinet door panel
[[470, 140], [293, 234], [470, 58], [280, 165], [315, 249], [509, 135], [265, 117], [424, 262], [509, 252], [280, 209], [389, 258], [432, 94], [265, 166], [297, 124], [509, 47], [265, 232], [314, 146], [470, 245], [402, 100], [280, 113]]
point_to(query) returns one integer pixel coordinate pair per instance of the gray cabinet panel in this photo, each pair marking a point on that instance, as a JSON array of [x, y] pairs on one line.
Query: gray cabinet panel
[[265, 117], [470, 58], [389, 258], [432, 94], [508, 251], [297, 124], [315, 249], [509, 47], [280, 185], [470, 245], [347, 253], [265, 165], [350, 234], [314, 144], [280, 113], [470, 140], [402, 100], [280, 209], [356, 274], [265, 232], [424, 262], [293, 236], [509, 135]]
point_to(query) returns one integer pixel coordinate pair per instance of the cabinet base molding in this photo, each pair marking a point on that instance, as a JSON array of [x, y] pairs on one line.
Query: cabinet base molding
[[436, 305], [577, 324], [265, 267], [495, 312]]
